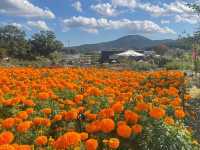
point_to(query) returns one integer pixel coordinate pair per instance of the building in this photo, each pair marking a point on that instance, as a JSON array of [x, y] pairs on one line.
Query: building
[[149, 53], [107, 56], [90, 58], [71, 59]]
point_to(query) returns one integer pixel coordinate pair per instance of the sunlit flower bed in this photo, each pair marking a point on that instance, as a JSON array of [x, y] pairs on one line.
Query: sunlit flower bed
[[92, 109]]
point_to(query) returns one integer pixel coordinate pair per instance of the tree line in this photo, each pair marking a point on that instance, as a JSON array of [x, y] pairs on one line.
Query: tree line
[[14, 43]]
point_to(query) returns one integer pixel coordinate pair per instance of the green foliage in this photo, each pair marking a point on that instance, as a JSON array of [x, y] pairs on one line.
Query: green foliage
[[158, 136], [37, 62], [14, 41], [3, 52], [179, 65], [141, 66], [56, 57], [160, 61], [44, 43], [161, 49], [7, 111], [65, 94]]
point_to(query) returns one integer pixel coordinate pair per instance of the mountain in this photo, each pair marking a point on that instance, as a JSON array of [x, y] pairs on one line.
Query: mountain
[[123, 43]]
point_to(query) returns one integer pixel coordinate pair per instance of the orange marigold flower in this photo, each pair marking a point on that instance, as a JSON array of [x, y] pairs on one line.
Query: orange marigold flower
[[70, 115], [124, 131], [78, 98], [187, 97], [7, 147], [93, 127], [28, 103], [131, 116], [179, 113], [8, 123], [118, 107], [106, 113], [41, 140], [46, 122], [47, 111], [91, 144], [93, 91], [57, 117], [121, 123], [137, 129], [68, 139], [18, 120], [24, 126], [91, 116], [29, 111], [142, 107], [22, 147], [38, 121], [43, 95], [84, 136], [176, 102], [6, 137], [113, 143], [169, 120], [107, 125], [157, 113], [22, 115]]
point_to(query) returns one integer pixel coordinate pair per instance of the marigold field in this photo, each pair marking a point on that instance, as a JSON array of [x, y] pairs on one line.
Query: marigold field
[[93, 109]]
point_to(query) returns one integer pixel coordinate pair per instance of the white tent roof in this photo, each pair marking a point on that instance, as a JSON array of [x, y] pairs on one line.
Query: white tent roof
[[130, 53]]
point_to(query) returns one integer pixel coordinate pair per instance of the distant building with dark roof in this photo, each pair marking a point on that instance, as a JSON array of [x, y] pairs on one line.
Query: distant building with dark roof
[[106, 55]]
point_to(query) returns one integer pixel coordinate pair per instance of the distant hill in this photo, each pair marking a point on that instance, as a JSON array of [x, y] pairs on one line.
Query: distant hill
[[123, 43]]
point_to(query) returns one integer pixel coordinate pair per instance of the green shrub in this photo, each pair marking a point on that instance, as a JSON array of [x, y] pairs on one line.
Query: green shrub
[[142, 66], [178, 65]]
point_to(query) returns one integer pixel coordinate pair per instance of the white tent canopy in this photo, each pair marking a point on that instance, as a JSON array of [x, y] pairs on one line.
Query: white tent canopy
[[129, 53]]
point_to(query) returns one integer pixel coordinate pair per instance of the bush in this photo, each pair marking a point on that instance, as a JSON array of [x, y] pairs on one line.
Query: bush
[[56, 57], [142, 66], [3, 52], [38, 62], [165, 137], [178, 65]]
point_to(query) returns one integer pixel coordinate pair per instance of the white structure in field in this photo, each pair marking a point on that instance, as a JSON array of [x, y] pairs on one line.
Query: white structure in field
[[130, 53]]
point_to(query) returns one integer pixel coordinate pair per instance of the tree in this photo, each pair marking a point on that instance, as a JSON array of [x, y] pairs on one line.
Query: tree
[[3, 52], [44, 43], [161, 49], [14, 41], [56, 57]]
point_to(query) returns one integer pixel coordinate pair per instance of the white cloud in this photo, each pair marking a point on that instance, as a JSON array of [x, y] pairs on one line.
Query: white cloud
[[154, 10], [165, 21], [91, 30], [145, 26], [182, 12], [78, 6], [192, 19], [40, 25], [23, 8], [177, 7], [105, 9], [16, 25], [125, 3]]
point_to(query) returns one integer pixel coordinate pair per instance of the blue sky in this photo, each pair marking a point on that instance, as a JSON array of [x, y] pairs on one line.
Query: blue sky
[[92, 21]]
